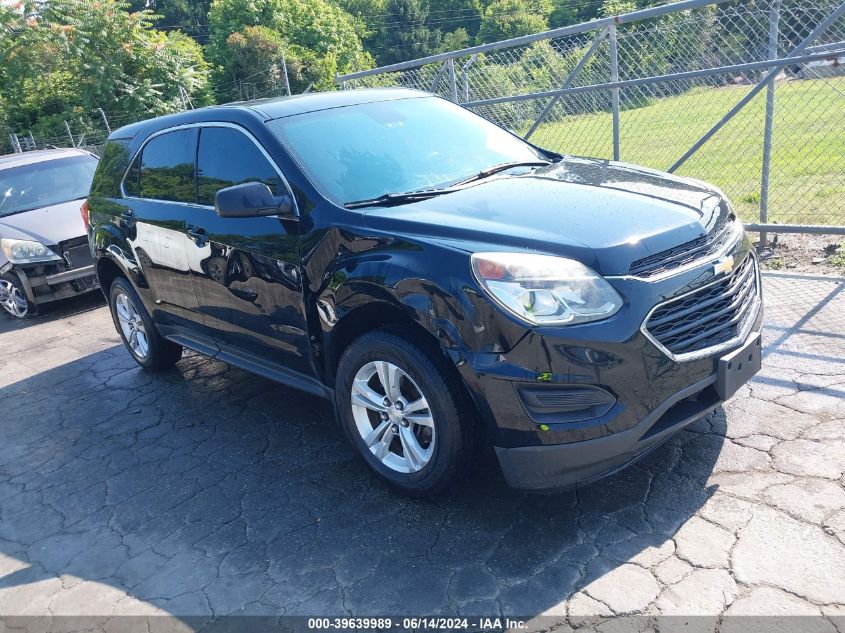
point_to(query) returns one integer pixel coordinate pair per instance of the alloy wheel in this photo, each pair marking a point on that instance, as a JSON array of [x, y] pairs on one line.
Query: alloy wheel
[[12, 299], [393, 417], [132, 325]]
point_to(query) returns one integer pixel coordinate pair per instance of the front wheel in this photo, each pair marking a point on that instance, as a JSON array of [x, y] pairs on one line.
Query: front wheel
[[140, 336], [13, 298], [407, 420]]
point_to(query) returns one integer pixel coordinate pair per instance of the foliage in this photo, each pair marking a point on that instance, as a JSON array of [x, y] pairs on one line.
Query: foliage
[[405, 34], [316, 34], [190, 15], [61, 60], [505, 19], [253, 48], [451, 15], [455, 40]]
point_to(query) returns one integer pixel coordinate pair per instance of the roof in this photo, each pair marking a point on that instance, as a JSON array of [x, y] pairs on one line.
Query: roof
[[267, 109], [297, 104], [37, 156]]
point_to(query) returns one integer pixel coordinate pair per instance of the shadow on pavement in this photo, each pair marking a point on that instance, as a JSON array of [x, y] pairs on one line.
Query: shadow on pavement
[[54, 310], [207, 490]]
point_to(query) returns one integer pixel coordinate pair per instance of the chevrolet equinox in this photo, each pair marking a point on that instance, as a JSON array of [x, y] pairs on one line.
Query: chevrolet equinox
[[444, 283]]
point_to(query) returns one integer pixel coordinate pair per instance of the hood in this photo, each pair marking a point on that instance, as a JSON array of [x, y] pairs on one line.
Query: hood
[[48, 225], [602, 213]]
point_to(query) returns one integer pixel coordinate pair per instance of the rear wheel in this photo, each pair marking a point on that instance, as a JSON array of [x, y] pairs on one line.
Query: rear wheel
[[140, 336], [407, 421], [13, 298]]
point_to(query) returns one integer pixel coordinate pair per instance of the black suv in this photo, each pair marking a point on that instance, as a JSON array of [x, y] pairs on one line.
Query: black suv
[[444, 283]]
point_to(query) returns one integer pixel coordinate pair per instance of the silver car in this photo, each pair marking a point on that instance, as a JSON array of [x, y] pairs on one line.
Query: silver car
[[44, 253]]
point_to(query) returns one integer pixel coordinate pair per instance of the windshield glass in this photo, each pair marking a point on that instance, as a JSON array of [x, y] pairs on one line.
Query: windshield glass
[[363, 151], [45, 183]]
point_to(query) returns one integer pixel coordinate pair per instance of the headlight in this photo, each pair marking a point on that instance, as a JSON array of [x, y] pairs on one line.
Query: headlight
[[27, 252], [543, 289]]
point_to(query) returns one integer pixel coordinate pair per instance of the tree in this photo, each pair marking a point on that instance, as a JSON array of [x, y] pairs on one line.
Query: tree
[[259, 47], [455, 40], [316, 31], [505, 19], [451, 15], [191, 16], [404, 34], [64, 59]]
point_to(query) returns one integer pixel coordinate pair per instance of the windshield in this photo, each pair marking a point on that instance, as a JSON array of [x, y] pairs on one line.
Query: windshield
[[363, 151], [45, 183]]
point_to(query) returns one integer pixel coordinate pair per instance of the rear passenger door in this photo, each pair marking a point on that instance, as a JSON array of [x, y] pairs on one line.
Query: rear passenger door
[[159, 186], [246, 270]]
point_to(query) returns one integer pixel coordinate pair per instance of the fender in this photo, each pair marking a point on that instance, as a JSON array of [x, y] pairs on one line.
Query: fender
[[380, 279]]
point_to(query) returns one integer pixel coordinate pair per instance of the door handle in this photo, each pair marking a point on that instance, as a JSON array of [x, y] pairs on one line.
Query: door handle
[[198, 235]]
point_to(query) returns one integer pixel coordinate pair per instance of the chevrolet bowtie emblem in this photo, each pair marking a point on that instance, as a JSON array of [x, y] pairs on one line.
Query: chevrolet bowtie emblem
[[724, 265]]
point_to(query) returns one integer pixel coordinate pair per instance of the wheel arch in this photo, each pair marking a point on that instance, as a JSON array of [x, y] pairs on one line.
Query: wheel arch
[[107, 271], [382, 315], [371, 316]]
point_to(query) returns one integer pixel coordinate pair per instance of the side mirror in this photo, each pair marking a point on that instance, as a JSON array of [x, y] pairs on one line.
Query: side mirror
[[251, 200]]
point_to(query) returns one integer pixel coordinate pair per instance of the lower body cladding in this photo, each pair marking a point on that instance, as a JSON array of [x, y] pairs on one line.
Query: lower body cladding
[[567, 407]]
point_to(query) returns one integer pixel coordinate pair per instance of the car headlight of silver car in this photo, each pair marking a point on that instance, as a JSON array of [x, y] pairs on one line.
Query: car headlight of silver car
[[545, 290], [27, 251]]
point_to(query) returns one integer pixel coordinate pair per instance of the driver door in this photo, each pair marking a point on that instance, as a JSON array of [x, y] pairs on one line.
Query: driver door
[[246, 270]]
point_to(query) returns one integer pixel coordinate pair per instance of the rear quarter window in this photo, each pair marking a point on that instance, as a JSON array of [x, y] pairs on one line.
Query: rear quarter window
[[113, 164]]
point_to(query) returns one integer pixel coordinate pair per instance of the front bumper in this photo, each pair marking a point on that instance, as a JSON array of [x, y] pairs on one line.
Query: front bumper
[[579, 463], [48, 282], [566, 406]]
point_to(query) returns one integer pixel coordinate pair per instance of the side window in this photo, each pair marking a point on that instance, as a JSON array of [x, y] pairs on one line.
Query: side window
[[167, 167], [228, 157]]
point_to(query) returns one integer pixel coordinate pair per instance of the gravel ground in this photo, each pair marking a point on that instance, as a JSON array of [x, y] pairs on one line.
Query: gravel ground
[[208, 491]]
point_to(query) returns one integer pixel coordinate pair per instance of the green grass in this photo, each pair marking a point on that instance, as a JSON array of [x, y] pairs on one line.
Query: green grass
[[837, 258], [807, 183]]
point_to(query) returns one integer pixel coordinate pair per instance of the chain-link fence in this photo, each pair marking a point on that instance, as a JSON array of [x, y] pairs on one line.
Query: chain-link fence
[[748, 95], [87, 131]]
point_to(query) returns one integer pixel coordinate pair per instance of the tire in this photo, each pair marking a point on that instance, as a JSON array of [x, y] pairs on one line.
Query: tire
[[135, 326], [448, 435], [13, 299]]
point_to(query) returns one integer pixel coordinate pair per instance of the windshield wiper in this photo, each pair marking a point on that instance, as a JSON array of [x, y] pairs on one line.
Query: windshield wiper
[[390, 199], [495, 169]]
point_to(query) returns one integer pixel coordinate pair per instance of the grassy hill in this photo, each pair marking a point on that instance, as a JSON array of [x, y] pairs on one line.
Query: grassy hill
[[808, 159]]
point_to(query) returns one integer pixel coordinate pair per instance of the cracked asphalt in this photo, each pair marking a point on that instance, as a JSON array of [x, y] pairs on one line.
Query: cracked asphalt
[[208, 491]]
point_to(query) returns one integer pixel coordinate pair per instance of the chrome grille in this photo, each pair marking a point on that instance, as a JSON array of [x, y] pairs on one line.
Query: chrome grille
[[708, 318], [686, 253]]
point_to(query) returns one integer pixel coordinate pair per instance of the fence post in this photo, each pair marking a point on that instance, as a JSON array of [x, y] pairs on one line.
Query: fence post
[[105, 120], [465, 76], [614, 77], [285, 75], [72, 142], [821, 27], [453, 82], [774, 25], [568, 82], [16, 145]]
